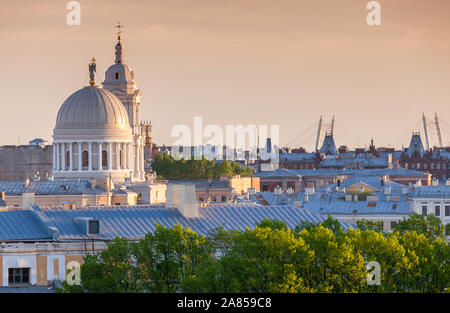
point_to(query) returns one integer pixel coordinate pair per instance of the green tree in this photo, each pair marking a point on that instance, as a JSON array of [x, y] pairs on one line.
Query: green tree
[[167, 257], [111, 271], [429, 225], [370, 225]]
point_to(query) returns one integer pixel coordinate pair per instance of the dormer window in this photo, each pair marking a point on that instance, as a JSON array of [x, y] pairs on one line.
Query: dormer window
[[93, 227], [117, 76]]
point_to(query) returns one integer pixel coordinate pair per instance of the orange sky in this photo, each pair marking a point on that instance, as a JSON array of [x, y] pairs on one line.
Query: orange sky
[[282, 62]]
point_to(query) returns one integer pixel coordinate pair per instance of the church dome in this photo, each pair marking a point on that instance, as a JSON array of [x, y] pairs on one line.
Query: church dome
[[92, 110]]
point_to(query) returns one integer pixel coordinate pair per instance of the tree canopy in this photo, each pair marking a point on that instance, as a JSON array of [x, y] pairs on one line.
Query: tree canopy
[[271, 258], [168, 168]]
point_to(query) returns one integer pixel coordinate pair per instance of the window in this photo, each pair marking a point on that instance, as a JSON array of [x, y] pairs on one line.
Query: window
[[94, 227], [117, 75], [437, 210], [104, 159], [424, 210], [214, 199], [67, 159], [438, 166], [200, 199], [264, 187], [447, 210], [19, 275], [224, 198], [85, 158], [432, 166]]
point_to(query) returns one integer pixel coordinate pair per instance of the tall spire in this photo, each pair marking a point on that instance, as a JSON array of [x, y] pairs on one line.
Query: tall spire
[[92, 70], [119, 48]]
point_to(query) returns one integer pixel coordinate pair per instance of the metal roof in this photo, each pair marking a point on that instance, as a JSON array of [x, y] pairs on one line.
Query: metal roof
[[135, 222], [21, 225], [431, 192], [372, 181], [359, 207], [44, 187]]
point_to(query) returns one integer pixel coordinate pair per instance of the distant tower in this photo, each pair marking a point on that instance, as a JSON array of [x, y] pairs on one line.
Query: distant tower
[[119, 79], [328, 146], [146, 127], [416, 146]]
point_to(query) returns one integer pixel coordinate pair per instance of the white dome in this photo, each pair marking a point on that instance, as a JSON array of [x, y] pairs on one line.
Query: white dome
[[92, 111]]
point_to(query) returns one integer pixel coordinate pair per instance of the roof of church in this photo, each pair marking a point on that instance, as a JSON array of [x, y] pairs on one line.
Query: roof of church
[[92, 105]]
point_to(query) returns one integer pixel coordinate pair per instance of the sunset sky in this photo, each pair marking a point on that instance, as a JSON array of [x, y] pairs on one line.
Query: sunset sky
[[282, 62]]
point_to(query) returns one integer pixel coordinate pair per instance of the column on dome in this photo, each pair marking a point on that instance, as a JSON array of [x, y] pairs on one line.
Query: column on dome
[[90, 156], [130, 156], [54, 156], [58, 156], [99, 165], [70, 156], [136, 161], [109, 145], [141, 156], [80, 164], [125, 155], [63, 148], [117, 156]]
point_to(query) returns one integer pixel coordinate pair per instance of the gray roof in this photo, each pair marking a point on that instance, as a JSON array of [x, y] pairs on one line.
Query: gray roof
[[21, 225], [359, 207], [44, 187], [203, 183], [431, 192], [135, 222], [372, 181]]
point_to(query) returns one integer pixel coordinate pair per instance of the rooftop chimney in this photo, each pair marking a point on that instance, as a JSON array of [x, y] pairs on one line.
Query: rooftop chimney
[[182, 197]]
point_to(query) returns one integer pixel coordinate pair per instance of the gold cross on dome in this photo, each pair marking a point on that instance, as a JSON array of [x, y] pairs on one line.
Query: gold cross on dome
[[93, 60], [118, 26]]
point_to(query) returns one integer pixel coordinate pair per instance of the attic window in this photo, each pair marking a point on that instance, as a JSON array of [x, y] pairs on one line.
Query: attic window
[[93, 227], [117, 75]]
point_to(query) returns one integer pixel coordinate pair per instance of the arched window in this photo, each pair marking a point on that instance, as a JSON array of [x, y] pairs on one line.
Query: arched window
[[117, 75], [104, 159], [85, 159], [67, 159]]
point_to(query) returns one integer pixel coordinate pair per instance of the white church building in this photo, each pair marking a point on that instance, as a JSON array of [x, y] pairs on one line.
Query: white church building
[[98, 129]]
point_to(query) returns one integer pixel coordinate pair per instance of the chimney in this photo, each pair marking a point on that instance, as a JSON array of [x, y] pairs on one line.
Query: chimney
[[309, 191], [27, 200], [182, 197], [277, 191]]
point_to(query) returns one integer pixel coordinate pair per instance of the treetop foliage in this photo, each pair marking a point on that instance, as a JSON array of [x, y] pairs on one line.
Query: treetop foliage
[[273, 258]]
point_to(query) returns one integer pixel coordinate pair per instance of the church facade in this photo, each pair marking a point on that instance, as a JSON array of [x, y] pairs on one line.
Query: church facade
[[98, 132]]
